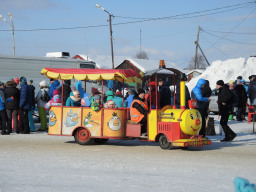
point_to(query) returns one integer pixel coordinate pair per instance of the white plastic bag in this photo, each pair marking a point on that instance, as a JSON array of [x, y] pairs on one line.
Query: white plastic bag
[[221, 130]]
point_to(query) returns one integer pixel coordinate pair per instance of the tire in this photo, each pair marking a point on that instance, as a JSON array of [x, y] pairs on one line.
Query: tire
[[100, 141], [164, 144], [82, 137]]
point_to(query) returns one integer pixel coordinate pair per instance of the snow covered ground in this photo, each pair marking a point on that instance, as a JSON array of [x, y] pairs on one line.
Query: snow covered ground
[[39, 162]]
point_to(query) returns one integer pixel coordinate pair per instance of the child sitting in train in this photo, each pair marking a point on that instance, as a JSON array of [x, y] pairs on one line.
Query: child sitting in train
[[55, 101], [96, 103]]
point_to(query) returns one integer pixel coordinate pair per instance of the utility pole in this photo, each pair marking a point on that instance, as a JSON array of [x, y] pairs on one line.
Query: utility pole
[[110, 28], [111, 39], [140, 41], [196, 42], [12, 25]]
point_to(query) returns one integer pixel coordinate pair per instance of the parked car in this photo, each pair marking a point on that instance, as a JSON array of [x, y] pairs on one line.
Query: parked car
[[213, 106]]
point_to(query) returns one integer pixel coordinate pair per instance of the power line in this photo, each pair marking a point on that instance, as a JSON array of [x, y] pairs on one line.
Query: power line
[[247, 3], [215, 47], [231, 30], [228, 40], [239, 33], [140, 21]]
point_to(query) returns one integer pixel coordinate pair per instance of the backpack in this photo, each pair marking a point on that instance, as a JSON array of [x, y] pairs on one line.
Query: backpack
[[45, 97]]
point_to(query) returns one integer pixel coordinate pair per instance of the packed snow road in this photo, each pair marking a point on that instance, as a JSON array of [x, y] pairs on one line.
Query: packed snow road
[[39, 162]]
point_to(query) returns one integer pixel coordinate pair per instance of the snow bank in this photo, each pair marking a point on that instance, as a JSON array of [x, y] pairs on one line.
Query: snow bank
[[226, 70]]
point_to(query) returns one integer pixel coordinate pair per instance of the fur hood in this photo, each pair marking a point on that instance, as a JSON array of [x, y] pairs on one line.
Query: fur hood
[[10, 84]]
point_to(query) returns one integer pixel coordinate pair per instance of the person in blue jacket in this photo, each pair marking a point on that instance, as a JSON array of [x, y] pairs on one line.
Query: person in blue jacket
[[55, 85], [201, 101], [110, 84], [24, 107], [5, 130], [118, 99], [129, 100], [74, 99], [80, 89]]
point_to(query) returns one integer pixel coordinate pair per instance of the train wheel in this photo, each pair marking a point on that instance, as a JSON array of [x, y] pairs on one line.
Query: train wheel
[[82, 137], [163, 141], [100, 141]]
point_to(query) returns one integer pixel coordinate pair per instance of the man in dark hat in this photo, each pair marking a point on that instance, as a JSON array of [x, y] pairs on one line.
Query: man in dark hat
[[139, 110], [225, 98]]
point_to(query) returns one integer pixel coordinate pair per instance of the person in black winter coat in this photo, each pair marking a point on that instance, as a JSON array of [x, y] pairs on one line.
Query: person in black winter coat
[[242, 100], [12, 107], [225, 104], [252, 90], [31, 99], [177, 95], [165, 93], [206, 92], [66, 90]]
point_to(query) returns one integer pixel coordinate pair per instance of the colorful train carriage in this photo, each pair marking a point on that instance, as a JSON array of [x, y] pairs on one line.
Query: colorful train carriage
[[170, 126]]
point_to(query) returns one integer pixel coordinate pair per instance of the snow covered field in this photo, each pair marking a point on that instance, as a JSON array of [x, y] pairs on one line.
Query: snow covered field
[[38, 162]]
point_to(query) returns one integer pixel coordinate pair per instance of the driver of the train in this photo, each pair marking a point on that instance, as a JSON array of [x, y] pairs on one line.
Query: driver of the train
[[139, 110]]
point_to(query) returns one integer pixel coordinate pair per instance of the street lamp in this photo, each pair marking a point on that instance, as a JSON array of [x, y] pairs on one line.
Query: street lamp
[[12, 25], [110, 28]]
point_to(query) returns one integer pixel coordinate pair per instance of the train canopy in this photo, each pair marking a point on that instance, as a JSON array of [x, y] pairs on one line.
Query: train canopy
[[128, 75]]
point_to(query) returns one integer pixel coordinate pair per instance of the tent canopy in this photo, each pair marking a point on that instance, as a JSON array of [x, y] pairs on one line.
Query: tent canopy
[[128, 75]]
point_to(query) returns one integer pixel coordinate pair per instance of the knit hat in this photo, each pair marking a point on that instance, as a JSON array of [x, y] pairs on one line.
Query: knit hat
[[118, 93], [97, 97], [240, 77], [111, 102], [23, 79], [16, 80], [231, 82], [43, 83], [140, 91], [94, 91], [220, 82], [56, 92], [76, 92]]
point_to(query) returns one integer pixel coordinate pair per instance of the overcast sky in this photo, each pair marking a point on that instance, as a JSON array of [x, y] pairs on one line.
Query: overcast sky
[[170, 39]]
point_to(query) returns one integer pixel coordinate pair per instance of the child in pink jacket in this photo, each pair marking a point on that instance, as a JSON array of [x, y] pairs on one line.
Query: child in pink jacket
[[55, 101]]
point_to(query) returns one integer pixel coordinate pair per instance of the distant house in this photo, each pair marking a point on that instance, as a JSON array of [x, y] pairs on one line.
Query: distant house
[[194, 73], [140, 65]]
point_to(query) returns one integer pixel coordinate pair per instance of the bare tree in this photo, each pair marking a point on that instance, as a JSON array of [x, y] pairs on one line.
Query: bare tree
[[200, 62], [141, 55]]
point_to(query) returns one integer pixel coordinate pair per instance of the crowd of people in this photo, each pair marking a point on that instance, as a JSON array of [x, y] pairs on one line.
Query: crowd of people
[[18, 100], [233, 95]]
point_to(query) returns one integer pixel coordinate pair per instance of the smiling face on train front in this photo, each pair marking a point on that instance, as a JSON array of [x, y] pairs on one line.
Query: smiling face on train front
[[191, 122]]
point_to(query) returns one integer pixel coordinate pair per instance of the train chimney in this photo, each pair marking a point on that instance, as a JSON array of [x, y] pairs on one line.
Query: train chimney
[[183, 79]]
